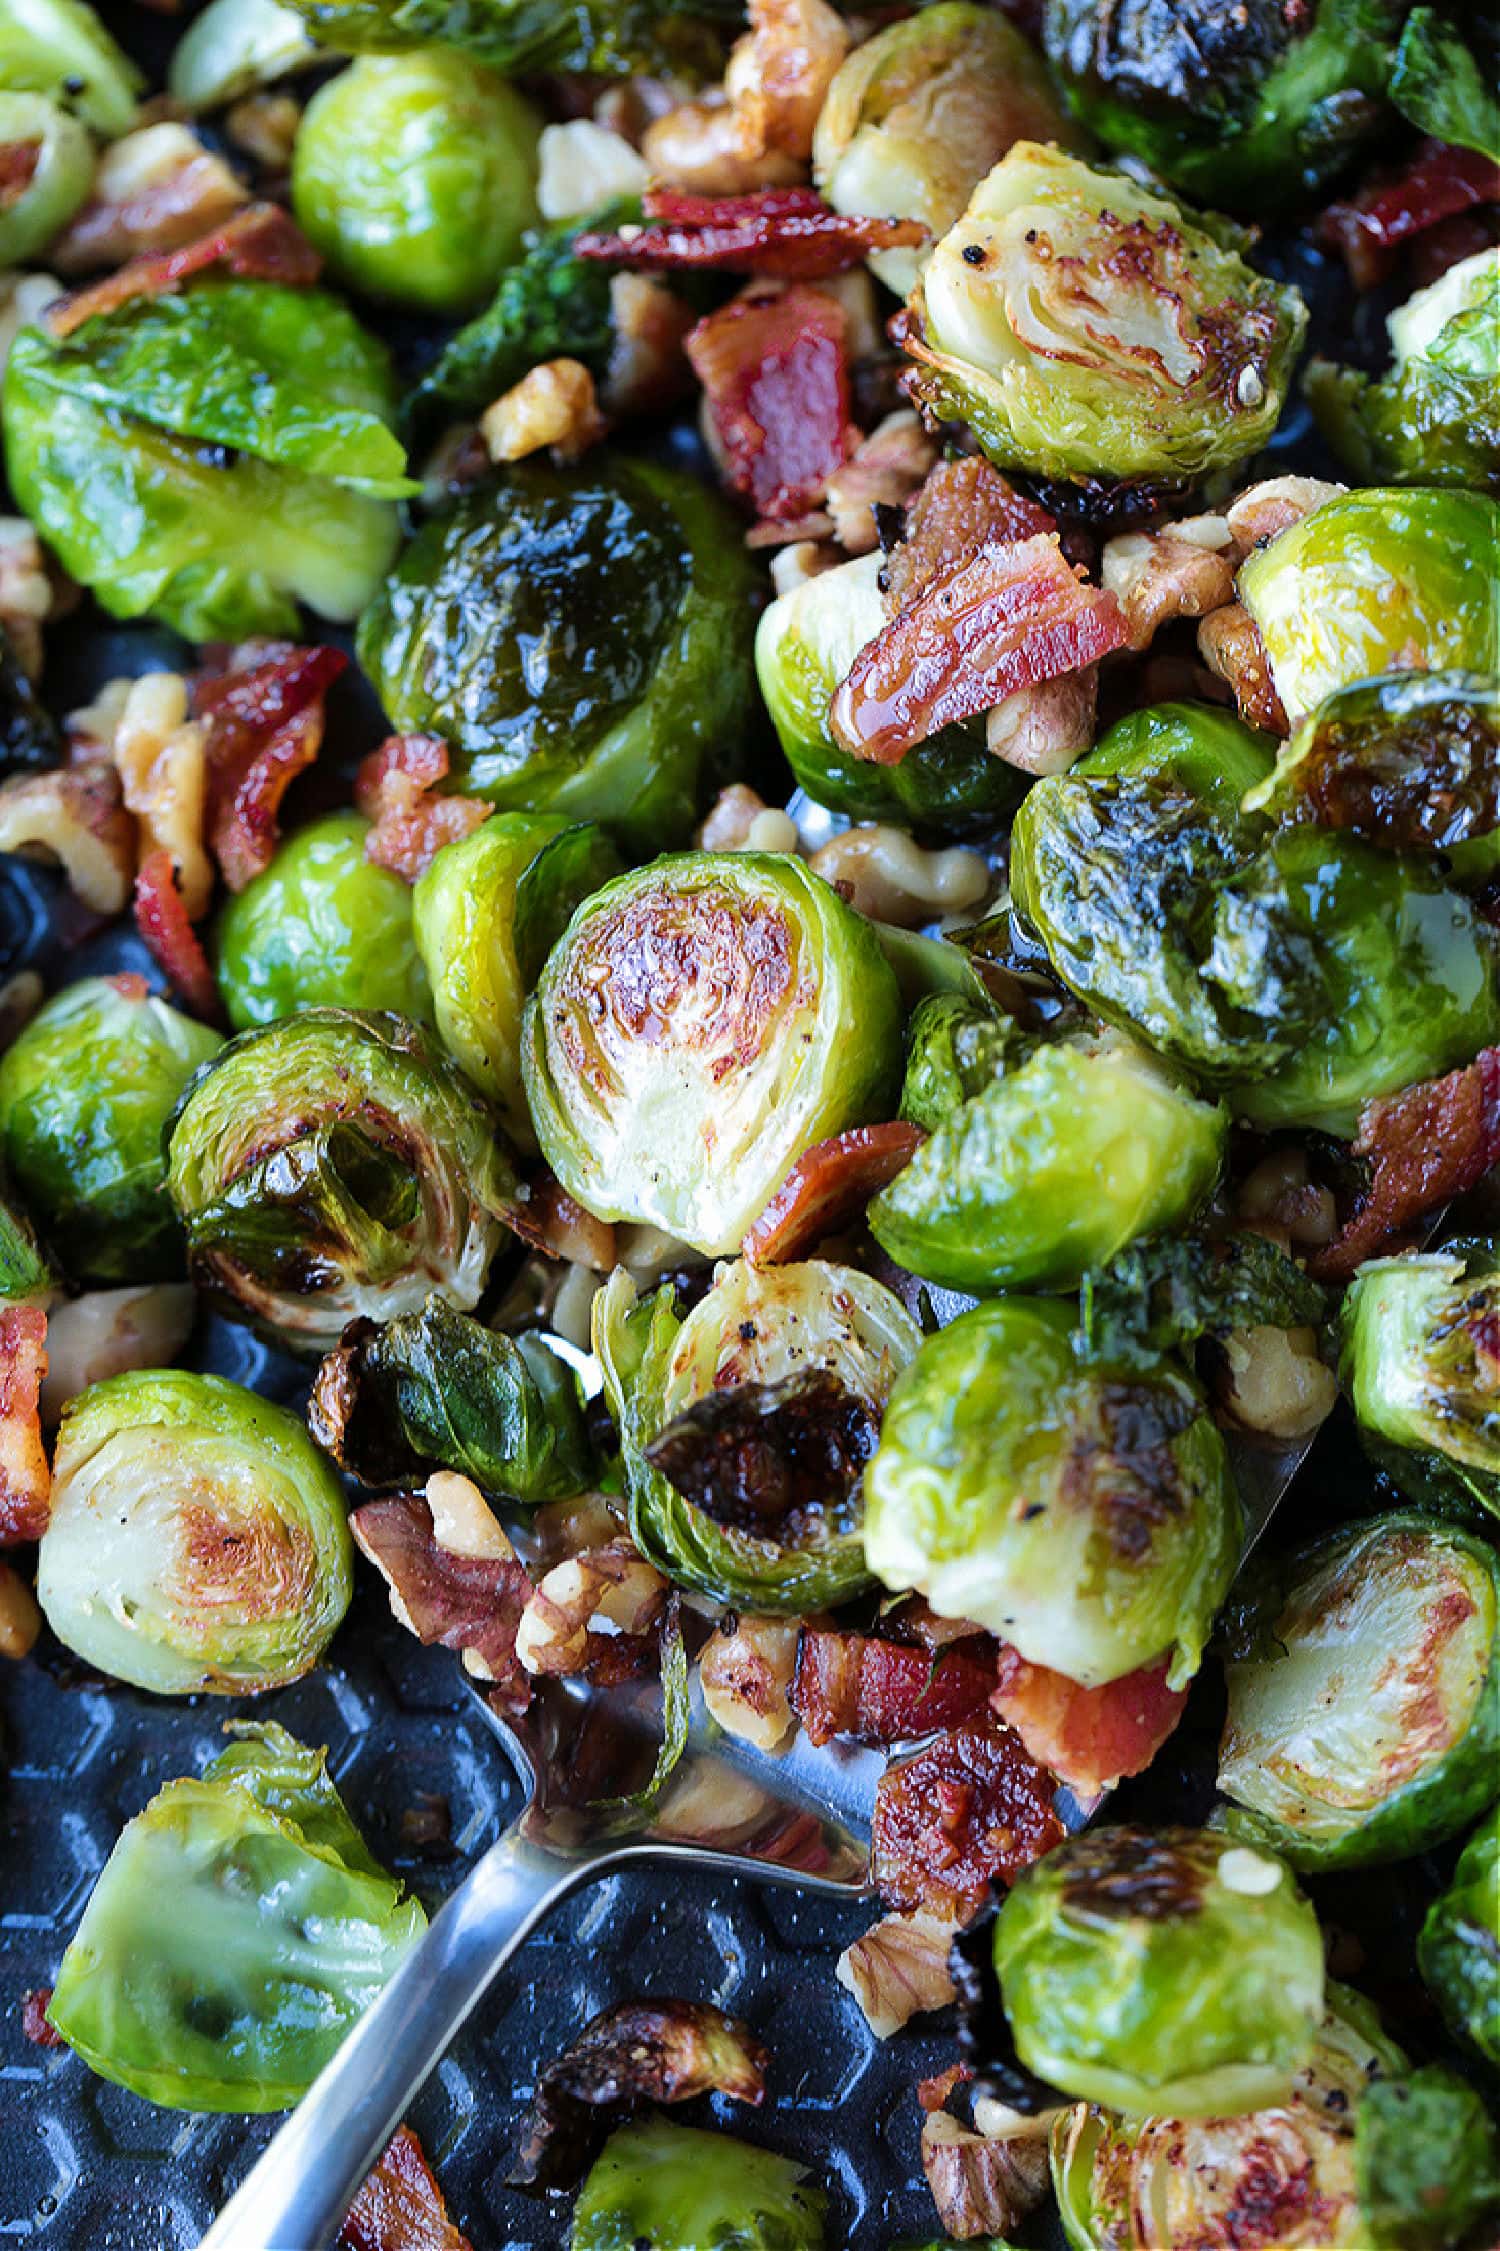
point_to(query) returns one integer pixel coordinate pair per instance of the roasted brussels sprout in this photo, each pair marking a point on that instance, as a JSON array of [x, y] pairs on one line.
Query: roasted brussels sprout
[[1375, 581], [1458, 1951], [1418, 1365], [61, 49], [1087, 1518], [487, 913], [1172, 1973], [955, 1047], [25, 1269], [657, 2186], [197, 1538], [61, 160], [322, 926], [701, 1023], [1427, 2160], [235, 46], [415, 175], [85, 1092], [621, 712], [1364, 1716], [916, 116], [333, 1164], [239, 1930], [524, 37], [775, 1526], [1434, 418], [804, 646], [1248, 107], [1068, 358], [1164, 1295]]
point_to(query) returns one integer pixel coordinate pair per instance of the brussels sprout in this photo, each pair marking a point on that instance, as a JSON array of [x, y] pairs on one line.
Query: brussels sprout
[[1419, 1368], [1427, 2159], [804, 646], [487, 912], [321, 926], [1087, 1518], [1458, 1951], [197, 1538], [658, 2186], [1371, 582], [1445, 86], [755, 1333], [1364, 1724], [1052, 1168], [1434, 419], [239, 1930], [25, 1269], [1193, 747], [1066, 357], [1158, 1297], [621, 715], [84, 1094], [1169, 1973], [955, 1048], [333, 1164], [60, 48], [700, 1024], [235, 46], [524, 37], [916, 116], [1253, 106], [60, 179], [415, 175]]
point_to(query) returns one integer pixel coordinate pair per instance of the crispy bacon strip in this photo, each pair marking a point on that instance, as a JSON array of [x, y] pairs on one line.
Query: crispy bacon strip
[[961, 506], [25, 1478], [262, 242], [1010, 616], [1089, 1738], [34, 2025], [886, 1691], [790, 234], [400, 2206], [970, 1809], [394, 790], [1431, 1141], [552, 1223], [775, 371], [265, 726], [1440, 181], [464, 1602], [827, 1185], [173, 943]]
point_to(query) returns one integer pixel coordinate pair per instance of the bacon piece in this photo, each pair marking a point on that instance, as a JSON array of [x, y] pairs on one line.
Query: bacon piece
[[34, 2025], [885, 1691], [471, 1603], [1089, 1738], [265, 725], [1431, 1141], [899, 1970], [1010, 616], [775, 370], [261, 243], [961, 506], [18, 163], [826, 1186], [173, 943], [969, 1809], [981, 2187], [393, 789], [400, 2206], [155, 190], [788, 234], [1440, 181], [25, 1478], [552, 1223]]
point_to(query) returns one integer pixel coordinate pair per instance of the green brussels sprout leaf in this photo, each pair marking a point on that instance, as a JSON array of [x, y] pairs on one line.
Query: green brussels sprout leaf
[[1162, 1296], [609, 38], [61, 49], [1418, 1365], [658, 2186], [61, 174], [25, 1269], [1458, 1951], [1438, 83], [1427, 2160], [1434, 418]]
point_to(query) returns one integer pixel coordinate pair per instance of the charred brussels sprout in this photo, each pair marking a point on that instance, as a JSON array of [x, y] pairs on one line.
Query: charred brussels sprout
[[1087, 1518], [1174, 1973], [238, 1932], [1427, 2159], [1458, 1951], [335, 1164], [1419, 1368], [582, 639], [415, 175], [61, 49], [1364, 1721], [702, 1022], [1082, 325], [197, 1538], [745, 1427], [1434, 418], [955, 1047], [322, 926], [85, 1092], [523, 37], [658, 2186], [61, 158]]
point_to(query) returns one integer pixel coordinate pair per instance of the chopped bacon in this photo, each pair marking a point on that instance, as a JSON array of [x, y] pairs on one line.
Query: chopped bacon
[[1440, 181], [393, 789], [262, 242], [788, 234], [265, 725], [775, 372], [172, 942], [971, 1808], [1089, 1738], [1431, 1141], [961, 506], [400, 2206], [552, 1223], [1013, 614], [25, 1478], [18, 163], [886, 1691], [470, 1603], [34, 2025], [826, 1186]]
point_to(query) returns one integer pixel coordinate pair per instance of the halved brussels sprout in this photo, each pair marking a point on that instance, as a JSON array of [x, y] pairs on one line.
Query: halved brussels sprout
[[621, 712], [238, 1932], [85, 1092], [760, 1332], [322, 926], [1053, 1167], [1375, 581], [916, 116], [333, 1164], [415, 175], [1427, 2159], [1087, 1518], [62, 172], [1082, 325], [197, 1538], [1434, 418], [1458, 1951], [61, 49], [1364, 1723], [1419, 1368], [526, 37], [658, 2186], [700, 1024], [1173, 1972], [235, 46], [487, 913], [804, 646]]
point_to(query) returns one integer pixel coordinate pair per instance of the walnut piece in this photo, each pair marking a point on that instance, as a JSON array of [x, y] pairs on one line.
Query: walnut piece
[[608, 1590], [73, 814], [891, 878], [160, 756], [156, 189], [747, 1676], [553, 405], [899, 1969]]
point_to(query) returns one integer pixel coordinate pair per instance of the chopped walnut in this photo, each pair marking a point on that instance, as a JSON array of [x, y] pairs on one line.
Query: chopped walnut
[[1274, 1382], [793, 565], [890, 878], [1230, 645], [552, 405], [608, 1590], [884, 470], [583, 166], [739, 820], [1281, 1199], [1263, 510], [899, 1969], [20, 1619], [979, 2185], [160, 756], [156, 189], [27, 592], [265, 127], [73, 814], [780, 71], [1184, 570], [747, 1674], [106, 1332], [1045, 729], [463, 1521], [647, 367], [564, 1528], [699, 145]]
